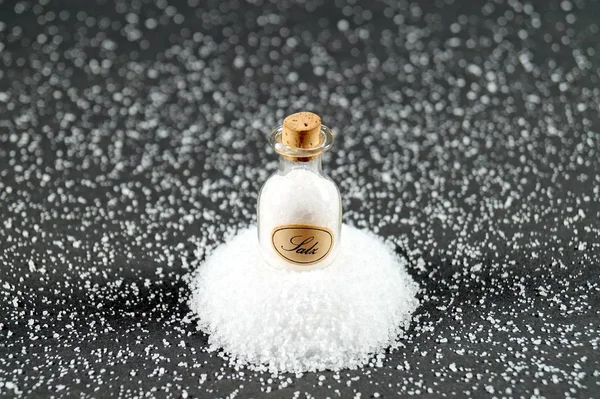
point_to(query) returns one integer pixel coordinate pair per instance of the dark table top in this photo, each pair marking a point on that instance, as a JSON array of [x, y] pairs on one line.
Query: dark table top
[[133, 136]]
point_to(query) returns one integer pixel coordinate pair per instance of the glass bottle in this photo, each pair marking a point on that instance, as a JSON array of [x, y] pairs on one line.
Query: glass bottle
[[299, 207]]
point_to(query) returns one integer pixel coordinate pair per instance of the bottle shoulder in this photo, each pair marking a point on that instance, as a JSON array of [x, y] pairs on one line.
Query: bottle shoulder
[[299, 181]]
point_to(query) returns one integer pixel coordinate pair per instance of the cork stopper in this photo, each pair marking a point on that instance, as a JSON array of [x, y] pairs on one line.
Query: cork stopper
[[301, 130]]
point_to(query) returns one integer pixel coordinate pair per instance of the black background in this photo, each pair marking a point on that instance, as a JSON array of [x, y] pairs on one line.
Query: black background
[[133, 137]]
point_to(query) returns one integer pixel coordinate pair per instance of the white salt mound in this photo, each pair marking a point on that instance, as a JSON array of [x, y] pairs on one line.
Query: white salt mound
[[286, 321]]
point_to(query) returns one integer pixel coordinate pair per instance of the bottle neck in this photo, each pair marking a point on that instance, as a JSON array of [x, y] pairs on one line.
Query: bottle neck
[[314, 165]]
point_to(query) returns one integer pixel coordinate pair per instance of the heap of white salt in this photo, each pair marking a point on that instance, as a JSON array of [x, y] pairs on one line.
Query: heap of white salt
[[334, 318]]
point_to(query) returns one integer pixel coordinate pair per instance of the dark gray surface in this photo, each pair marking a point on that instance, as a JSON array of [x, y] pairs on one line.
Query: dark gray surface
[[133, 133]]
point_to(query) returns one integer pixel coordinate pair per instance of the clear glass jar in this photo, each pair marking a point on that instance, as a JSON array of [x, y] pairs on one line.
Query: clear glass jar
[[299, 208]]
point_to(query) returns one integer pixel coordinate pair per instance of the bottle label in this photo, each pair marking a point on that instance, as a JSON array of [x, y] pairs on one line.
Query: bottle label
[[302, 244]]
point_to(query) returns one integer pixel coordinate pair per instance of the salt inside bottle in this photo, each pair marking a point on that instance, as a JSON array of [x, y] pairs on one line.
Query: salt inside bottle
[[299, 207]]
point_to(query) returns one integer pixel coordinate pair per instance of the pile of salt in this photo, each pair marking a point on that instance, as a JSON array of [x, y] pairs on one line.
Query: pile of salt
[[334, 318]]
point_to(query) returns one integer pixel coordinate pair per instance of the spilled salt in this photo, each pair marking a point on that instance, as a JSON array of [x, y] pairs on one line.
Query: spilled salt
[[283, 321]]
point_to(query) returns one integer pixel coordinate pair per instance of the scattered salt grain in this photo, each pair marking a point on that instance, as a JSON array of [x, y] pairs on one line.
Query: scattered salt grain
[[162, 134], [334, 318]]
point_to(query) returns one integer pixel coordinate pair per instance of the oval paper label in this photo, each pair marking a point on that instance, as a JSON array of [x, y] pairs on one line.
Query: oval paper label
[[302, 244]]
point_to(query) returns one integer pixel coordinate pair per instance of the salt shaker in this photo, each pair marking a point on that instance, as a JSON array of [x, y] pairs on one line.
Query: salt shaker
[[299, 207]]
